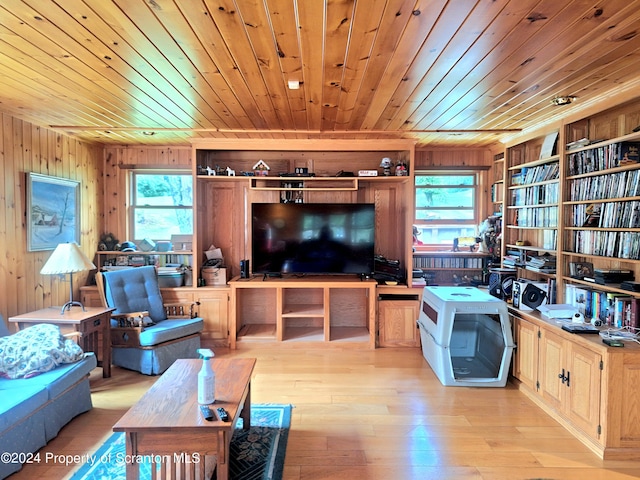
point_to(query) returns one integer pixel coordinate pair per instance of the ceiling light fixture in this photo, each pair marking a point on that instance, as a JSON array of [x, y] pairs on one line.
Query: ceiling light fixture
[[149, 133], [563, 100], [293, 84]]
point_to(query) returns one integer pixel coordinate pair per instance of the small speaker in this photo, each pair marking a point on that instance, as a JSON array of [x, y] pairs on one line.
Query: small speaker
[[501, 282], [244, 269], [532, 296]]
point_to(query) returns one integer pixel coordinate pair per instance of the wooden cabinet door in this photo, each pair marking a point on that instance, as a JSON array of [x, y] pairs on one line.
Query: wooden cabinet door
[[552, 369], [583, 395], [570, 381], [525, 359], [397, 323], [214, 309]]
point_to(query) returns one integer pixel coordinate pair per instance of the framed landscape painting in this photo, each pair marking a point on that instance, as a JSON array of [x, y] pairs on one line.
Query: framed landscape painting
[[53, 211]]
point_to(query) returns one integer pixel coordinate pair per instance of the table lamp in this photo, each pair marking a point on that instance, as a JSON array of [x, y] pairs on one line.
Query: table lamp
[[67, 258]]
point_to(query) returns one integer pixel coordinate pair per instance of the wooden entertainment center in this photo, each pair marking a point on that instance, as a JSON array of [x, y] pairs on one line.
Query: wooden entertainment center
[[223, 203], [332, 310]]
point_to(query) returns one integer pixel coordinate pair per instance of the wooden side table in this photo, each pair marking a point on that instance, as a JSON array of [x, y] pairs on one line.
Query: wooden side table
[[94, 324]]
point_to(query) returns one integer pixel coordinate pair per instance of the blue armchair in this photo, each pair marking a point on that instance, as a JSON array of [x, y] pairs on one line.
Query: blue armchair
[[146, 334]]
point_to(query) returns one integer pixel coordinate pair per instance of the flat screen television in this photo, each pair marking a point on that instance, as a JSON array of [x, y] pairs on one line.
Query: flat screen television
[[312, 238]]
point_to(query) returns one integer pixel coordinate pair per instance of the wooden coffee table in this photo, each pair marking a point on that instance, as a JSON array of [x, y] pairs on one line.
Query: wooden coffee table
[[167, 426]]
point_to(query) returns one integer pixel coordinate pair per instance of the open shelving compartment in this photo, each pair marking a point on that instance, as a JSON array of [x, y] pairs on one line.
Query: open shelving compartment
[[326, 310], [349, 314], [303, 316], [257, 311]]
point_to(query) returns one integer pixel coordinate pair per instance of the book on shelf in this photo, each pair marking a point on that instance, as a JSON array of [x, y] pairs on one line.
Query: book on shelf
[[549, 145], [592, 213], [614, 309], [513, 258], [552, 295], [621, 310], [628, 152], [583, 142], [576, 295], [633, 319], [626, 312], [517, 178]]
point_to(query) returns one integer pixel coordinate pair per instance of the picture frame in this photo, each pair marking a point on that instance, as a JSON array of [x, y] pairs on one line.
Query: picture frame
[[53, 211], [580, 270]]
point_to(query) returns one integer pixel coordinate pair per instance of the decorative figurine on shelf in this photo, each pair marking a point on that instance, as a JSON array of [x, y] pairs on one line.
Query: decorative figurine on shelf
[[465, 242], [261, 169], [401, 169], [231, 172], [386, 164], [108, 242], [211, 171]]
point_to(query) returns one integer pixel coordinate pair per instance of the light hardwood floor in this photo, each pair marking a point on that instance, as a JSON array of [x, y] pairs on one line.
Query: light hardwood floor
[[371, 414]]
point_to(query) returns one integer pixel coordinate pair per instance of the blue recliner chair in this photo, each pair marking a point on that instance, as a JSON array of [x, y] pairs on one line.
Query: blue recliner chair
[[146, 334]]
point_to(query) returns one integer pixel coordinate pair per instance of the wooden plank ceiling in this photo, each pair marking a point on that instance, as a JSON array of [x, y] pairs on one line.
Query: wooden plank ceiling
[[441, 72]]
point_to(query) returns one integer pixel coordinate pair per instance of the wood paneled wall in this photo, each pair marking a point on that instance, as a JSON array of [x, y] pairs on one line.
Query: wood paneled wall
[[26, 148], [449, 158]]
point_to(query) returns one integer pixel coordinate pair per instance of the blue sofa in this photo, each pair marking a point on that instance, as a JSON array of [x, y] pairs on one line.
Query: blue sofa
[[33, 410]]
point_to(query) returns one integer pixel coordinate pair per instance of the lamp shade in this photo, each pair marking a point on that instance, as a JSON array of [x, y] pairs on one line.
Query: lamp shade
[[67, 258]]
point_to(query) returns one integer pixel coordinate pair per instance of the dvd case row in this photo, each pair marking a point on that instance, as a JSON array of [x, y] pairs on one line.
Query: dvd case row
[[540, 217], [448, 262], [539, 173], [601, 187], [547, 193], [607, 244], [602, 158]]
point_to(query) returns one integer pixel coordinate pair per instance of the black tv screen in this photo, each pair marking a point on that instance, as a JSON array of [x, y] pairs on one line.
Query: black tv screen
[[319, 238]]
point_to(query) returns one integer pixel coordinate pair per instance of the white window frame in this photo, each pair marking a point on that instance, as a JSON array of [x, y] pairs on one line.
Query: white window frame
[[133, 207], [471, 224]]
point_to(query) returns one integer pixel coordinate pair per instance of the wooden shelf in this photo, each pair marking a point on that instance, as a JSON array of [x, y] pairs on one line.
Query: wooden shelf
[[257, 332], [301, 310], [310, 183], [535, 163]]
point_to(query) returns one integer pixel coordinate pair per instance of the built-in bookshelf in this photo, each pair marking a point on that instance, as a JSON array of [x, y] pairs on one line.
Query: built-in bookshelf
[[530, 226], [601, 207]]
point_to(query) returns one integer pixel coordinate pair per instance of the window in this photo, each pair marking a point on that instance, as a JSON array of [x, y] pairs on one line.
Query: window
[[446, 206], [161, 205]]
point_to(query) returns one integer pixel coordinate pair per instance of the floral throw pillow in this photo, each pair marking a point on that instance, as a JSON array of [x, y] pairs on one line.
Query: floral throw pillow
[[36, 349]]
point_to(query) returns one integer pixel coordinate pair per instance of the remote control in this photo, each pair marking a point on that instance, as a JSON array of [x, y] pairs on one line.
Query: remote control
[[612, 342], [207, 413], [222, 413]]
